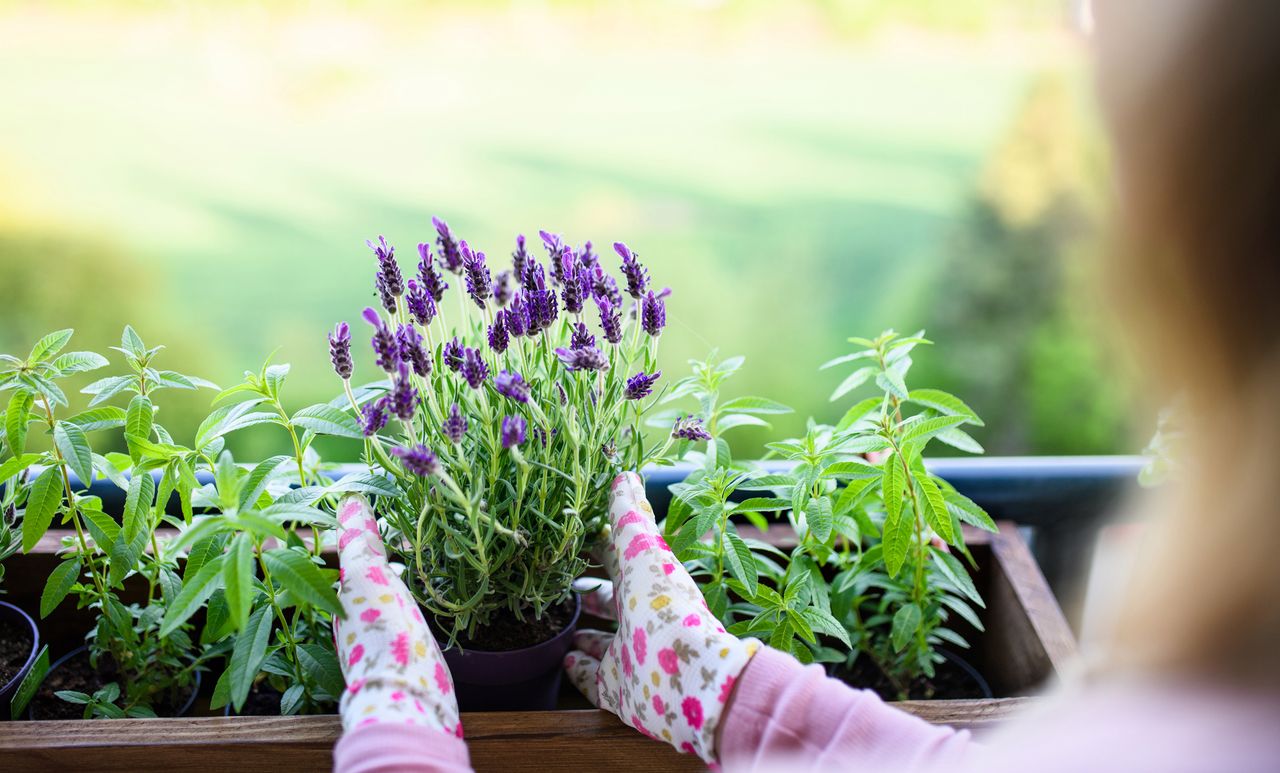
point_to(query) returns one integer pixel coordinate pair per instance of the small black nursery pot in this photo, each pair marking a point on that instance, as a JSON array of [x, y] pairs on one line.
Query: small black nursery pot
[[78, 659], [526, 679], [21, 643]]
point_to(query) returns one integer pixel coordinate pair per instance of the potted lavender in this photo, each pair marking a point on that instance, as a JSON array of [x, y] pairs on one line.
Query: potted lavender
[[503, 418]]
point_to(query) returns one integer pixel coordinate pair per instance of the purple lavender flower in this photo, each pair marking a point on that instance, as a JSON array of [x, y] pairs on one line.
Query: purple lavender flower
[[604, 286], [448, 245], [432, 280], [474, 369], [563, 395], [541, 310], [418, 460], [542, 437], [512, 385], [653, 315], [637, 276], [519, 258], [420, 303], [610, 320], [515, 431], [479, 282], [588, 258], [533, 277], [502, 288], [575, 281], [402, 400], [389, 281], [453, 351], [689, 428], [455, 425], [411, 349], [498, 337], [385, 345], [640, 385], [582, 337], [514, 317], [588, 358], [373, 417], [340, 351], [559, 263]]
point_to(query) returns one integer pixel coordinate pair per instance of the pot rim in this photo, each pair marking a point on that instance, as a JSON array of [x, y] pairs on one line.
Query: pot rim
[[84, 648], [13, 683], [568, 631]]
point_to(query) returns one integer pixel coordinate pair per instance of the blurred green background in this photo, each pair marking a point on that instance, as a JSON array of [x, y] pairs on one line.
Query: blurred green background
[[797, 172]]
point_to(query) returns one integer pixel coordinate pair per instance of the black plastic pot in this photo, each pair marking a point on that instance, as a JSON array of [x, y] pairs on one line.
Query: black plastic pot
[[515, 680], [21, 619], [981, 688], [82, 651]]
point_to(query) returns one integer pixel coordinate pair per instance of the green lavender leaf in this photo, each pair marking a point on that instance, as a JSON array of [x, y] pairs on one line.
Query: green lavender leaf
[[295, 571], [58, 585], [79, 362], [238, 580], [16, 417], [49, 345], [74, 447], [106, 417], [195, 591], [897, 526], [247, 656], [328, 420], [256, 483], [139, 420], [905, 623], [742, 565], [42, 503]]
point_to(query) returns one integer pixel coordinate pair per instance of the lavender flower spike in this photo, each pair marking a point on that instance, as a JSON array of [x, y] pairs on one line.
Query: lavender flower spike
[[432, 280], [640, 385], [689, 428], [418, 460], [637, 276], [474, 369], [512, 386], [610, 320], [515, 430], [402, 400], [582, 337], [385, 345], [499, 340], [453, 352], [449, 253], [502, 289], [479, 282], [412, 351], [422, 307], [340, 351], [653, 314], [589, 358], [373, 417], [519, 258], [389, 281], [455, 425]]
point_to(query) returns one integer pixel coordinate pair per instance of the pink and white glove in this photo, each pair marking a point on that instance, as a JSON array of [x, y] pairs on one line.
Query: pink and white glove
[[671, 667], [392, 665]]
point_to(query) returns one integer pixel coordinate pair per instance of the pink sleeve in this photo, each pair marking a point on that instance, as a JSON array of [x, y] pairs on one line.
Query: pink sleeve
[[784, 713], [383, 747]]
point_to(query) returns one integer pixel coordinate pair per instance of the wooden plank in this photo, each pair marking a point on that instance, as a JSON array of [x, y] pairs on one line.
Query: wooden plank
[[505, 741], [1035, 598]]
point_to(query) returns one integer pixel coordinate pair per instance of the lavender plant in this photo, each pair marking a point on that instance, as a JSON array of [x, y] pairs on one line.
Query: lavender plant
[[503, 419]]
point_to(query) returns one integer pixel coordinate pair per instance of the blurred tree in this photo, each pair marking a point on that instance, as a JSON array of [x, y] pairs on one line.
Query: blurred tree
[[1012, 307]]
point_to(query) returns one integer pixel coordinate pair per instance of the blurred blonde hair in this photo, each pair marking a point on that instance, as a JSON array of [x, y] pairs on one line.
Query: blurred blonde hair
[[1190, 93]]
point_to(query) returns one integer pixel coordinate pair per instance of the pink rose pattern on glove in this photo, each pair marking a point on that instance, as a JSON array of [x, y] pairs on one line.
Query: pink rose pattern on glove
[[671, 666], [392, 665]]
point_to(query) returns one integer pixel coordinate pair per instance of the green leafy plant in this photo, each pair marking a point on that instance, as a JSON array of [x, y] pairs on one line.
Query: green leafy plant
[[872, 572]]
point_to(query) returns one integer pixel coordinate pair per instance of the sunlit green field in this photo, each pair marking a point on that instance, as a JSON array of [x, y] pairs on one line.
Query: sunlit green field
[[791, 194]]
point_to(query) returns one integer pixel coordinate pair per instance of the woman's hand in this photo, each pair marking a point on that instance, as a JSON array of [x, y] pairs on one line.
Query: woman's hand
[[392, 665], [671, 667]]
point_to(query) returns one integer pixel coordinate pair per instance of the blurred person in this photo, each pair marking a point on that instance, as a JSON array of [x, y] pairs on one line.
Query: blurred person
[[1189, 679]]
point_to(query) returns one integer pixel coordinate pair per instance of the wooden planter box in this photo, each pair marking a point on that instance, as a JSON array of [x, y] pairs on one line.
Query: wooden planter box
[[1026, 646]]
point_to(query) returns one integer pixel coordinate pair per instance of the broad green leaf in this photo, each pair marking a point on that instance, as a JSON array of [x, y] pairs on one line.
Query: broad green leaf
[[138, 503], [935, 508], [858, 412], [15, 421], [958, 438], [923, 430], [819, 518], [107, 388], [944, 403], [74, 447], [123, 559], [967, 510], [291, 700], [731, 420], [761, 505], [49, 345], [295, 571], [897, 522], [47, 389], [321, 664], [102, 527], [274, 376], [299, 514], [42, 503], [16, 465], [781, 637], [862, 355], [328, 420], [59, 584], [754, 405], [905, 623], [195, 591], [365, 483], [230, 418], [152, 450], [105, 417], [238, 579], [954, 571], [742, 565], [250, 650], [763, 482], [852, 469], [962, 608], [255, 524], [822, 621], [256, 483], [891, 381], [79, 362], [206, 544], [131, 342], [853, 381], [138, 422]]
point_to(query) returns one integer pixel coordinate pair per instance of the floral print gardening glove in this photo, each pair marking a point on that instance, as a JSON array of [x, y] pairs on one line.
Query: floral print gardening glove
[[671, 667], [392, 665]]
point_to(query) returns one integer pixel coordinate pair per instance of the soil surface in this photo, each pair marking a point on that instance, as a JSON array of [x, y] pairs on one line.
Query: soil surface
[[15, 648], [506, 632], [76, 674], [950, 682], [263, 701]]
